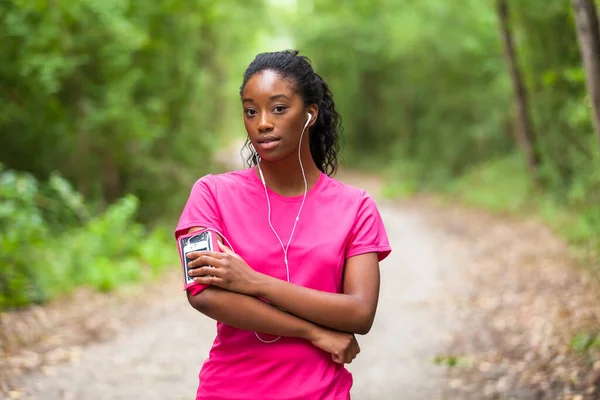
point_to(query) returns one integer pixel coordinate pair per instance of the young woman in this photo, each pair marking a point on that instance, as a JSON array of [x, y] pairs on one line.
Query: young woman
[[298, 274]]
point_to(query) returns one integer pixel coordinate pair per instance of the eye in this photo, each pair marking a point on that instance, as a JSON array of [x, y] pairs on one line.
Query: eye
[[250, 112], [280, 109]]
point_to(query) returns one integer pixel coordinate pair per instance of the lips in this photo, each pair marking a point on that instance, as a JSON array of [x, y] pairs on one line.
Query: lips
[[268, 139], [268, 142]]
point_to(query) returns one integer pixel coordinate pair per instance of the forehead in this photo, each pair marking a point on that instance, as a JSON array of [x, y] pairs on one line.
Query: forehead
[[268, 83]]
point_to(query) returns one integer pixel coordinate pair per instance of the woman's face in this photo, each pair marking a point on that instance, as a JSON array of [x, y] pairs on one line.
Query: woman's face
[[274, 115]]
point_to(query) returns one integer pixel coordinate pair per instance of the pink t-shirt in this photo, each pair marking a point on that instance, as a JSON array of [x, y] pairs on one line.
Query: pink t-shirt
[[337, 222]]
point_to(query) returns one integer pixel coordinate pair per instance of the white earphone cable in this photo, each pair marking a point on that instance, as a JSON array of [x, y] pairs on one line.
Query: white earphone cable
[[285, 248]]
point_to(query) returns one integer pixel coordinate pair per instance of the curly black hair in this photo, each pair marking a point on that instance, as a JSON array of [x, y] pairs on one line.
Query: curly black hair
[[324, 134]]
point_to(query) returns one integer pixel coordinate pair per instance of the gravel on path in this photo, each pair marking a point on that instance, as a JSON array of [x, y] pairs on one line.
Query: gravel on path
[[159, 357]]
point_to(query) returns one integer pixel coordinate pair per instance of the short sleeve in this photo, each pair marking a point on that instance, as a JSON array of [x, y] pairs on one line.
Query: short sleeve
[[201, 209], [368, 234]]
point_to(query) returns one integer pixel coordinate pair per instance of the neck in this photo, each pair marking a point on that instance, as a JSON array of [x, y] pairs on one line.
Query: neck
[[285, 176]]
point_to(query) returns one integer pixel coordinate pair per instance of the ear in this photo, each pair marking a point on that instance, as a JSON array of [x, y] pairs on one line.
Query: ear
[[314, 110]]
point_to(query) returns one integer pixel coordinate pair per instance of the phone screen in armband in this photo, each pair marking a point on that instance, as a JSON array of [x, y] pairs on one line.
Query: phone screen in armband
[[195, 241]]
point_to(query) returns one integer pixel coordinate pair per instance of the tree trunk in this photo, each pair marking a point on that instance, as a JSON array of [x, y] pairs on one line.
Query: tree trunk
[[81, 158], [524, 133], [110, 177], [588, 35]]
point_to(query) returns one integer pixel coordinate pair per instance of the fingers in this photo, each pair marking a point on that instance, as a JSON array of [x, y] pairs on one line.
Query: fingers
[[352, 351], [224, 248], [355, 348], [355, 345], [198, 272], [208, 258], [209, 280], [346, 358], [351, 354], [348, 355], [196, 254]]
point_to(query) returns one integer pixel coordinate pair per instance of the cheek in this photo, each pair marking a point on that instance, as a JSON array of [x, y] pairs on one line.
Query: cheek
[[248, 126], [290, 127]]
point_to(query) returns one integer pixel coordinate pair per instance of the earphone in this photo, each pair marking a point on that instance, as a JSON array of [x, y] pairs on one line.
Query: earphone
[[285, 248], [262, 178]]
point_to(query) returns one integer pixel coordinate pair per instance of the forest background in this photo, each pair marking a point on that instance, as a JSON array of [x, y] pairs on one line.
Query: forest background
[[110, 110]]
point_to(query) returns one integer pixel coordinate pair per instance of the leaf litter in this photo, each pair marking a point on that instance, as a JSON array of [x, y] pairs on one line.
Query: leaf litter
[[529, 315]]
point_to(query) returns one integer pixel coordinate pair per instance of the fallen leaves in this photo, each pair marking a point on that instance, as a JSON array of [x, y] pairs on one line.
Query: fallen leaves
[[531, 313]]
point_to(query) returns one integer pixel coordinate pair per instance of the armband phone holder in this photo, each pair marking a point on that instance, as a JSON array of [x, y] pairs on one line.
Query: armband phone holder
[[203, 240]]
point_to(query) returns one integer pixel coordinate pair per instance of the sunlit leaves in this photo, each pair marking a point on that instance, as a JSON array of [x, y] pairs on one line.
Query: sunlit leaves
[[413, 79], [134, 91]]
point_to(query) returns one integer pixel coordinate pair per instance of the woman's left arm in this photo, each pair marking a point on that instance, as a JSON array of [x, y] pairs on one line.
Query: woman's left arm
[[352, 311]]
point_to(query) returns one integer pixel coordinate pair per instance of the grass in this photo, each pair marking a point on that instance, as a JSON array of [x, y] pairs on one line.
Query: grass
[[504, 186], [584, 342], [108, 251]]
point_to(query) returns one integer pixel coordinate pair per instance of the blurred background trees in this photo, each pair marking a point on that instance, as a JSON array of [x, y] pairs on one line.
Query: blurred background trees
[[109, 110], [464, 98], [122, 103], [115, 94]]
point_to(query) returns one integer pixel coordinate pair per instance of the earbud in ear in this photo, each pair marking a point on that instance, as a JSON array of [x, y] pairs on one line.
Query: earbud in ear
[[307, 121]]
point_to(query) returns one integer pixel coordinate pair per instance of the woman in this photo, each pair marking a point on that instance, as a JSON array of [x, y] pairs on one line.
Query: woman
[[300, 276]]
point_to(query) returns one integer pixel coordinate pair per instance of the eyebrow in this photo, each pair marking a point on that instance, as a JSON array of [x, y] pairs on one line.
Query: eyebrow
[[274, 97]]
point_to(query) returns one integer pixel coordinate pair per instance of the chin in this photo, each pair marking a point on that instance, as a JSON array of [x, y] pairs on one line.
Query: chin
[[271, 157]]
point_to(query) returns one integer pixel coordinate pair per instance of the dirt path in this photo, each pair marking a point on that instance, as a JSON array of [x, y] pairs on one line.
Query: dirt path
[[459, 285], [159, 357]]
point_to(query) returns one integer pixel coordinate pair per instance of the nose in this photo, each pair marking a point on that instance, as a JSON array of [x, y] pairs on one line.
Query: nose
[[264, 123]]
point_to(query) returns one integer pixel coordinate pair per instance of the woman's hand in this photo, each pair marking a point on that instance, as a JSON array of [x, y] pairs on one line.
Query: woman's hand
[[226, 270], [342, 346]]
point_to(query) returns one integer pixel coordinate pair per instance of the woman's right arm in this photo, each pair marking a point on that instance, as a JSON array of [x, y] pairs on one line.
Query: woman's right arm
[[251, 314]]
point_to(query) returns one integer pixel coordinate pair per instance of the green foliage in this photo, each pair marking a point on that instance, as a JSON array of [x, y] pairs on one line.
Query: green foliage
[[504, 185], [120, 96], [583, 342], [421, 84], [45, 252], [128, 97], [425, 94], [22, 228], [452, 361], [500, 184], [109, 111]]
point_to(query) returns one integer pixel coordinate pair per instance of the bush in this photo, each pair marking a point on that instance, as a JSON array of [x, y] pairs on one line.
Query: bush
[[504, 185], [50, 245]]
